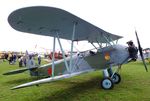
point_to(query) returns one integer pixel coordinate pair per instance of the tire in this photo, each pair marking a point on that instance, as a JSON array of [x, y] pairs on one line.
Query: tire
[[116, 78], [107, 83]]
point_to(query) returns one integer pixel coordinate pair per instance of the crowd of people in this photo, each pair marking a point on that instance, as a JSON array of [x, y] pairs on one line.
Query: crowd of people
[[22, 59], [10, 57]]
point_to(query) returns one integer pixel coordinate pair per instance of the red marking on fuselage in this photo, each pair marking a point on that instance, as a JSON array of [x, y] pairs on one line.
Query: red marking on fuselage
[[49, 71]]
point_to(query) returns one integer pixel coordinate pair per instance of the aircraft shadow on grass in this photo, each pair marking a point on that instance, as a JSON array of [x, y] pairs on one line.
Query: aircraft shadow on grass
[[70, 93]]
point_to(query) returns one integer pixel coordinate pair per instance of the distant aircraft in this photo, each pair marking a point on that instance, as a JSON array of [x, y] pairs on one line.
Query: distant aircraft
[[146, 54], [58, 23], [57, 55]]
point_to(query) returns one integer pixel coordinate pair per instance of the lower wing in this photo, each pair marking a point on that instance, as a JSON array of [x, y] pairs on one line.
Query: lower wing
[[46, 80]]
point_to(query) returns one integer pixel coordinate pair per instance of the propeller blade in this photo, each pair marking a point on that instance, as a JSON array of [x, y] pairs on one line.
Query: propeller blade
[[140, 50]]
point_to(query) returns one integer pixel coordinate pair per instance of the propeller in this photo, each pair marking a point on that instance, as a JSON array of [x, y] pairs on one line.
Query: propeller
[[140, 51]]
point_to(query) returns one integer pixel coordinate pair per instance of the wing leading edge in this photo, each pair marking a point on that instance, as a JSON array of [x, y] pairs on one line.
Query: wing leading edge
[[49, 21]]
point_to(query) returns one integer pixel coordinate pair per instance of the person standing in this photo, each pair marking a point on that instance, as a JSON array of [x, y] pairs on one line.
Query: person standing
[[39, 60]]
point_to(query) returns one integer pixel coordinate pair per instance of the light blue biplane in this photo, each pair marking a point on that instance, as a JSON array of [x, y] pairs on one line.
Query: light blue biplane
[[60, 24]]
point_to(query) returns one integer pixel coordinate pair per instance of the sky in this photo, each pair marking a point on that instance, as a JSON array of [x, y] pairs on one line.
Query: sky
[[120, 17]]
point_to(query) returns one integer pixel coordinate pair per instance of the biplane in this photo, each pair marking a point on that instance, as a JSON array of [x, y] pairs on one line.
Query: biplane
[[60, 24]]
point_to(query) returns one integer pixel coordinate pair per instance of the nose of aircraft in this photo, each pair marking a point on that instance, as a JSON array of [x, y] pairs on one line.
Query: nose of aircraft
[[120, 55]]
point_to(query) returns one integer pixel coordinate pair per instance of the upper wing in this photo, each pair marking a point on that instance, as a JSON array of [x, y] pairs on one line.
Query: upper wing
[[48, 20]]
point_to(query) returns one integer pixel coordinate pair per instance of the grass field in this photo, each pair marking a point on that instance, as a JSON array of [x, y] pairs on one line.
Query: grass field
[[135, 86]]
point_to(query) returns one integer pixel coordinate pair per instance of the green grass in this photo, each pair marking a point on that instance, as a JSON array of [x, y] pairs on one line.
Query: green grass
[[135, 86]]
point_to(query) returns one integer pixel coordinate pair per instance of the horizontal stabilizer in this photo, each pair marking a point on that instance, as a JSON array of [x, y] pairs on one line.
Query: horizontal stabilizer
[[17, 71], [46, 80]]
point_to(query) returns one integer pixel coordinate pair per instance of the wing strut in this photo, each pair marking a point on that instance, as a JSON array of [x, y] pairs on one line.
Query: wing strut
[[68, 67], [53, 59], [73, 34], [94, 45], [111, 40], [107, 40], [66, 64], [116, 41], [100, 44]]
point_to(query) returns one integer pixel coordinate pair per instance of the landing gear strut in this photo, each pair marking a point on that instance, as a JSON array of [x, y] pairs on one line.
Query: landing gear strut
[[110, 79]]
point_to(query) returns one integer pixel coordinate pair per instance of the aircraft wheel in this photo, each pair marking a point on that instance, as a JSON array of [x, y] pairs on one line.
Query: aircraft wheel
[[107, 83], [116, 78]]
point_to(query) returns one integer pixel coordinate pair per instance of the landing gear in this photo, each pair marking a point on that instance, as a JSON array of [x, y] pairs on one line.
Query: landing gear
[[110, 79], [116, 78], [107, 83]]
